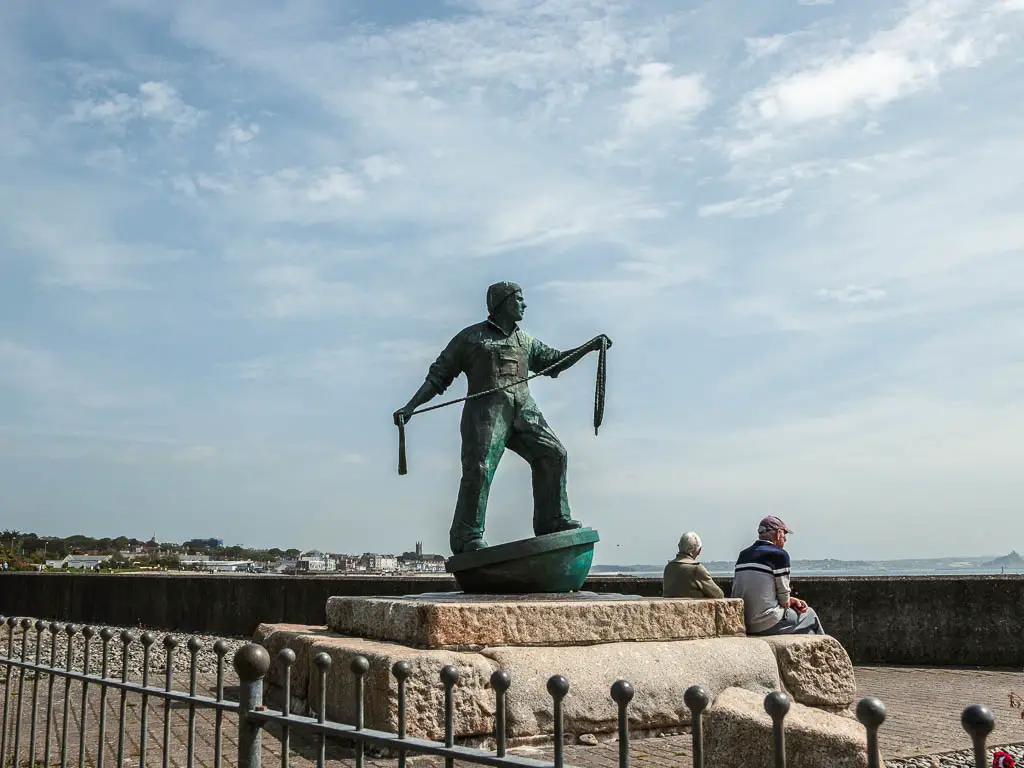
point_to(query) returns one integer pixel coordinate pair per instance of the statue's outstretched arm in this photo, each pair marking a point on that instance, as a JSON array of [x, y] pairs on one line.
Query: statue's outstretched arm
[[545, 357], [440, 376]]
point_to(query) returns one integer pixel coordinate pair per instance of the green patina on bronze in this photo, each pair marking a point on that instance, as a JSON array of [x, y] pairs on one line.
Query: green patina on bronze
[[556, 562], [498, 358]]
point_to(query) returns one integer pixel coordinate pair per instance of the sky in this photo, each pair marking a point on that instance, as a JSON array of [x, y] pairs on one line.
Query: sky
[[234, 236]]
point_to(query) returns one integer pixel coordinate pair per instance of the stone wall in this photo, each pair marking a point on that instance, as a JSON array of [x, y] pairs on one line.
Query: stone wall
[[927, 620]]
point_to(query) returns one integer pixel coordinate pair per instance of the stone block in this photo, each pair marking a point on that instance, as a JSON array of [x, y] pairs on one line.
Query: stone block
[[468, 621], [737, 731], [298, 637], [473, 702], [659, 671], [815, 669], [729, 620]]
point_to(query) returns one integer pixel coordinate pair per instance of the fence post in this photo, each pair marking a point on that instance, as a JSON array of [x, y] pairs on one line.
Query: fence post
[[697, 700], [871, 713], [251, 662], [776, 704]]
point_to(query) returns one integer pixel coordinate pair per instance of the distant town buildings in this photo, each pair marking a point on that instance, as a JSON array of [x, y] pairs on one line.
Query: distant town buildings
[[209, 556], [79, 562]]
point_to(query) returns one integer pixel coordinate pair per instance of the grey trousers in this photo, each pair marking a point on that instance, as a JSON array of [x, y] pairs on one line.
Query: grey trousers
[[793, 623]]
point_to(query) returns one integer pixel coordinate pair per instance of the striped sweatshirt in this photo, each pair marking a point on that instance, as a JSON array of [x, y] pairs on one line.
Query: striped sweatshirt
[[762, 580]]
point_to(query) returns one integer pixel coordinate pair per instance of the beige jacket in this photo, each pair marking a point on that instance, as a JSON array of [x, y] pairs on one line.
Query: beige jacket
[[685, 577]]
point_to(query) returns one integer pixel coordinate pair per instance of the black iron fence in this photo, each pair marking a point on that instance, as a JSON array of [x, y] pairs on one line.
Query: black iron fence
[[36, 733]]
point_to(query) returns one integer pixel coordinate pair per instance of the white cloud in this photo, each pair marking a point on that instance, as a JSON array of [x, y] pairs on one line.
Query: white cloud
[[156, 101], [760, 47], [236, 138], [333, 184], [658, 98], [299, 291], [932, 38], [852, 294], [377, 168], [746, 207]]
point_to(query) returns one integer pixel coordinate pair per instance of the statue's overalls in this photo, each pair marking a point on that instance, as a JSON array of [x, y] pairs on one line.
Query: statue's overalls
[[491, 357]]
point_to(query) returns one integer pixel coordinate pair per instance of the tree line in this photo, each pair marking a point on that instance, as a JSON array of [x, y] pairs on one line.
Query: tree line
[[22, 550]]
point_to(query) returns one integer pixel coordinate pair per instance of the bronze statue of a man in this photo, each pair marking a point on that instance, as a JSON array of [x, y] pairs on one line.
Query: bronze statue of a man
[[496, 355]]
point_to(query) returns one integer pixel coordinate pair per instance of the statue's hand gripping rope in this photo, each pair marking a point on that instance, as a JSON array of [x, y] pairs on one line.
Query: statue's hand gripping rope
[[598, 342]]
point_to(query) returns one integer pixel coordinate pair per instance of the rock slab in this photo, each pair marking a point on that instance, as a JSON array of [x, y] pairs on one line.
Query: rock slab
[[659, 670], [816, 670], [471, 622], [738, 732]]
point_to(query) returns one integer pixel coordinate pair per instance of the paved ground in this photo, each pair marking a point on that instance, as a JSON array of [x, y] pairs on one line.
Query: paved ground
[[923, 705]]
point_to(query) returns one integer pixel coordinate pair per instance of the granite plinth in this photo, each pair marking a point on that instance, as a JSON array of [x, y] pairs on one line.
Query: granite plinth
[[460, 621], [660, 671], [554, 562]]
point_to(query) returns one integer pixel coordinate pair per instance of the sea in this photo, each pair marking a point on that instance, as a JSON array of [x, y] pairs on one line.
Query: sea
[[874, 571]]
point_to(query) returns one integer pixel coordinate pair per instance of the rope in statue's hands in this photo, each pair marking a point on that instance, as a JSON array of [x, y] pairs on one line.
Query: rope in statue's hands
[[600, 343]]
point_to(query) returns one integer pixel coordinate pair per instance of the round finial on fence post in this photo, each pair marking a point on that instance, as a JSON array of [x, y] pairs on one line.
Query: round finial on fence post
[[322, 661], [622, 692], [54, 627], [359, 665], [88, 632], [978, 719], [871, 712], [401, 670], [286, 656], [147, 639], [69, 629], [776, 704], [40, 625], [558, 687], [194, 645], [12, 622], [449, 675], [500, 680], [106, 634], [220, 648], [26, 624], [979, 722], [170, 642], [127, 637], [696, 699], [251, 662]]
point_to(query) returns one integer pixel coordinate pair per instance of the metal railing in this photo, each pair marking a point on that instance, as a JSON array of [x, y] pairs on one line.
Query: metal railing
[[252, 663]]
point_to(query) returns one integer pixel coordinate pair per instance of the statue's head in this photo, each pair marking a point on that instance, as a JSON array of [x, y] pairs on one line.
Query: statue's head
[[505, 300]]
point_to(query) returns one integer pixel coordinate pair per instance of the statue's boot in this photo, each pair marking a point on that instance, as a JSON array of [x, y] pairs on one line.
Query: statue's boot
[[468, 546], [557, 525]]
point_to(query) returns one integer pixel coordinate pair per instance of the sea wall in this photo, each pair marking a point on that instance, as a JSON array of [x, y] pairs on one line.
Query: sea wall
[[926, 620]]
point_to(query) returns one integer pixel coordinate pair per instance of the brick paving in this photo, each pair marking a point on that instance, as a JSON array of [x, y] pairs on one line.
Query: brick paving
[[923, 705]]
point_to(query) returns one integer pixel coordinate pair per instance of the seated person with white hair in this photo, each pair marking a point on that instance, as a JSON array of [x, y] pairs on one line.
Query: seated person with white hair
[[684, 576]]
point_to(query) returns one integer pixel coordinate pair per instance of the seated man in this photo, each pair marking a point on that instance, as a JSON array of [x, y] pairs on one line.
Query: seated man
[[762, 580], [684, 576]]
